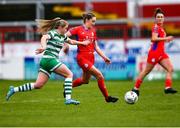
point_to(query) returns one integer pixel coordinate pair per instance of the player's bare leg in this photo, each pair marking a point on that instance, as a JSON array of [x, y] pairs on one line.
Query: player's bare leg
[[141, 76], [167, 65], [95, 72], [40, 82], [82, 80], [64, 71]]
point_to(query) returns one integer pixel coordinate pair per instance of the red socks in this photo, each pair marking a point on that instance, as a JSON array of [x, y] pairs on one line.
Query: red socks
[[77, 82], [102, 87], [138, 83], [168, 83]]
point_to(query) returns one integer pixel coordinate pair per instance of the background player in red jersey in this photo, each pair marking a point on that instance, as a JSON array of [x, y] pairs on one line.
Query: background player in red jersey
[[157, 54], [85, 55]]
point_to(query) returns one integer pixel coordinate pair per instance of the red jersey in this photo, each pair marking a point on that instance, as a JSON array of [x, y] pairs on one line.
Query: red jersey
[[158, 46], [157, 52], [82, 33]]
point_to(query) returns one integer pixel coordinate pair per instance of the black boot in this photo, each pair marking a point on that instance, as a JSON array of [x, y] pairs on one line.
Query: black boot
[[111, 99], [136, 91], [170, 91]]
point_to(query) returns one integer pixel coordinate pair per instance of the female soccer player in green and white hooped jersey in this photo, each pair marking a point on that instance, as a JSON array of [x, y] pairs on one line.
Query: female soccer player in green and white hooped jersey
[[52, 42]]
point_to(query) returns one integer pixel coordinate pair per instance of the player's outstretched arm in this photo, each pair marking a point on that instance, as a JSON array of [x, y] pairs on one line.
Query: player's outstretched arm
[[155, 38], [75, 42], [44, 39], [100, 52]]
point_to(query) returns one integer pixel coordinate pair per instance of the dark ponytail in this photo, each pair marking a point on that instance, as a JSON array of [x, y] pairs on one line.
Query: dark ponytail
[[87, 16], [158, 10]]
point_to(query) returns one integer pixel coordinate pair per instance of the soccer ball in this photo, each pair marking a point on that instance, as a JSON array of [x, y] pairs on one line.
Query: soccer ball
[[130, 97]]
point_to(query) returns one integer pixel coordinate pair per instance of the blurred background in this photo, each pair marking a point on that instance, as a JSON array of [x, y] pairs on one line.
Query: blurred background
[[123, 30]]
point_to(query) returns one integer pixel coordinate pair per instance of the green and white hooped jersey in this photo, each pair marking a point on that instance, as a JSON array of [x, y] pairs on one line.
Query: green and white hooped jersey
[[54, 44]]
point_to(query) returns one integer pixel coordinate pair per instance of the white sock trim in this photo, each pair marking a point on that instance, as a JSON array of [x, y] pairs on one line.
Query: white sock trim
[[68, 96], [32, 86], [68, 79], [16, 89]]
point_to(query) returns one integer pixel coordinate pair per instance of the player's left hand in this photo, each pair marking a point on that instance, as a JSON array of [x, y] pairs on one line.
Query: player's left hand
[[39, 50], [107, 60]]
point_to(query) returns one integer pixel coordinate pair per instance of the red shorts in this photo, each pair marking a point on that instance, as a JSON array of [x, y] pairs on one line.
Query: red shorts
[[154, 57], [85, 60]]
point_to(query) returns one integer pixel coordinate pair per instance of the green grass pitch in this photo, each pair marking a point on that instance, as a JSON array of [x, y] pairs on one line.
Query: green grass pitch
[[45, 107]]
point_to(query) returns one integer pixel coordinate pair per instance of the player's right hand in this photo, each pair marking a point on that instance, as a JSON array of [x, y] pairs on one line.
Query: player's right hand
[[66, 48], [169, 38], [107, 60]]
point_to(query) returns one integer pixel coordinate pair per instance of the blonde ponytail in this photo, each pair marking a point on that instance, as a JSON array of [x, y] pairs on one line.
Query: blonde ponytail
[[45, 25]]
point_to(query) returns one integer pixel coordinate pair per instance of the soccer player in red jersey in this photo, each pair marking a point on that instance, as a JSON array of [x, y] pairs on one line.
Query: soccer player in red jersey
[[157, 54], [85, 55]]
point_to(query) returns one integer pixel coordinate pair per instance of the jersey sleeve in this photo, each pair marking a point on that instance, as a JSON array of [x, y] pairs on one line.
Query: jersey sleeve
[[95, 36], [74, 31], [155, 29], [50, 34], [66, 39]]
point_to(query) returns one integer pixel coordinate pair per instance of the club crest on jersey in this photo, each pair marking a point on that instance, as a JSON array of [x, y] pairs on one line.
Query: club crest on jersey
[[86, 65], [153, 60]]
